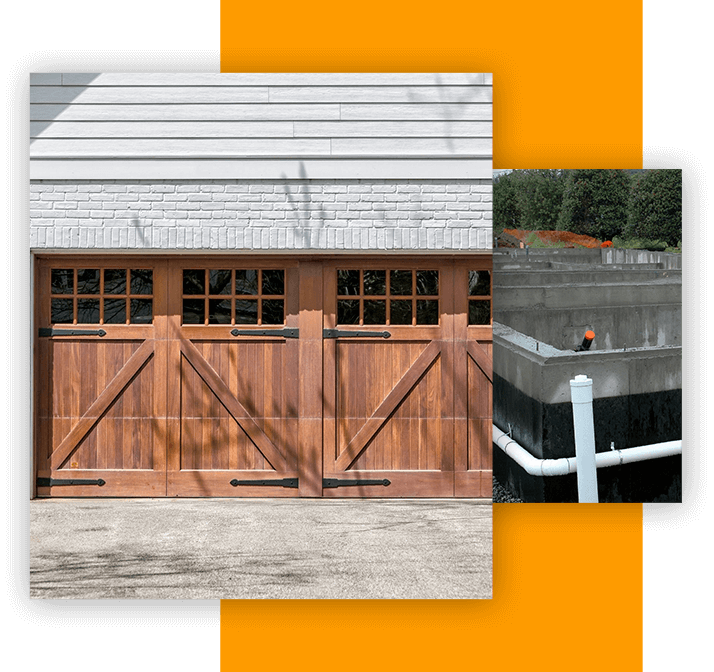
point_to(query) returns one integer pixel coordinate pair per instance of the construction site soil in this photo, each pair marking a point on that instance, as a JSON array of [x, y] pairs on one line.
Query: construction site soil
[[514, 238]]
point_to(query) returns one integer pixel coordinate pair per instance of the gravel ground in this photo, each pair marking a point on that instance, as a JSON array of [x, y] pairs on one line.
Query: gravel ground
[[502, 495]]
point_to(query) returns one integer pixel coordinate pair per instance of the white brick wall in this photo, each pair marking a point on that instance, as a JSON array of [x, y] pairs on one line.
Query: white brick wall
[[265, 215]]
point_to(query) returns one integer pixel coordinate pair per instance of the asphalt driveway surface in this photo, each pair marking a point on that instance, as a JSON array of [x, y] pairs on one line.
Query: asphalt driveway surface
[[260, 548]]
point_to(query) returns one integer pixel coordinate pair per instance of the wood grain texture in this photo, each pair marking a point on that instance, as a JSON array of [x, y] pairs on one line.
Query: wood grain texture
[[99, 407], [180, 410], [262, 442]]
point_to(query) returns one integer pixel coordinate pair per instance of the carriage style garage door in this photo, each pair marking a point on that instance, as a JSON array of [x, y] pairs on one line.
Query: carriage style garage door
[[271, 376]]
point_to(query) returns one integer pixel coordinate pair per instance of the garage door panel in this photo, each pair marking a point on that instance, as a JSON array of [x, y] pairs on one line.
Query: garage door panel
[[211, 438], [201, 393], [115, 443], [392, 411], [410, 437], [110, 400], [217, 483], [258, 374], [237, 406], [405, 444], [93, 362], [480, 396], [117, 483], [401, 484], [206, 391]]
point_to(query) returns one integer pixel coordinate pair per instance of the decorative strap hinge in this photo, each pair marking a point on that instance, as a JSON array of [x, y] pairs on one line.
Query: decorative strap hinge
[[54, 482], [285, 333], [341, 333], [283, 482], [72, 332], [343, 482]]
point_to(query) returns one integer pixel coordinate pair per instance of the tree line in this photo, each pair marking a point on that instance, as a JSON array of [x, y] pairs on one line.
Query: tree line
[[604, 204]]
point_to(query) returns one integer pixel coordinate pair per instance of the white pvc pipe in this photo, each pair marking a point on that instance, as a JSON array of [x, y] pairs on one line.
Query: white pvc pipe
[[639, 454], [581, 394], [567, 465], [533, 465]]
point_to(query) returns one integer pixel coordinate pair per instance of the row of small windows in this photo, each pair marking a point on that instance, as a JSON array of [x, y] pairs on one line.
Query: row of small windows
[[233, 296], [256, 296], [370, 297], [102, 296]]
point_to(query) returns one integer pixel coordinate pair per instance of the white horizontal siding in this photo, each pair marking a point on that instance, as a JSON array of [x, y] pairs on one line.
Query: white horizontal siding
[[160, 129], [381, 94], [196, 148], [190, 116], [165, 95], [227, 148], [259, 129], [393, 129], [262, 79], [183, 112], [125, 95], [262, 169]]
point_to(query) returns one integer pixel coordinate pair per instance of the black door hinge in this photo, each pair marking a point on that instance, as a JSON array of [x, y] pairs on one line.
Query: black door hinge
[[53, 482], [284, 482], [340, 333], [341, 482], [72, 332], [285, 333]]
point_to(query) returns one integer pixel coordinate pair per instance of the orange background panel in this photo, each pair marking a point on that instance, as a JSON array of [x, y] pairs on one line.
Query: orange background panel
[[567, 94], [567, 76], [563, 574]]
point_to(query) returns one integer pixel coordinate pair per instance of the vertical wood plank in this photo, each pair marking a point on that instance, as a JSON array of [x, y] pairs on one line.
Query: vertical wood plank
[[461, 362], [175, 373], [448, 369], [311, 385], [330, 371]]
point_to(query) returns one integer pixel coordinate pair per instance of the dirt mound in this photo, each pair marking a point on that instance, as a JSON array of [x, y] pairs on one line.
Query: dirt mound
[[513, 238]]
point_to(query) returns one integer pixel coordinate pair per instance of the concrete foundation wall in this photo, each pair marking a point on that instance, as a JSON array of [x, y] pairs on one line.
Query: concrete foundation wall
[[582, 256], [543, 304], [544, 373], [625, 306], [616, 328], [637, 401]]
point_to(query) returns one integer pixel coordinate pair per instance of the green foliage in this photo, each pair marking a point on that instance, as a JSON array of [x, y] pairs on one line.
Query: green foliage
[[595, 203], [655, 206], [642, 208], [505, 206], [527, 199], [640, 244], [539, 198]]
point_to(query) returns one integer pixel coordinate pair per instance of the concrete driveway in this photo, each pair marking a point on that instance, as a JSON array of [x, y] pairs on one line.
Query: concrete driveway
[[260, 548]]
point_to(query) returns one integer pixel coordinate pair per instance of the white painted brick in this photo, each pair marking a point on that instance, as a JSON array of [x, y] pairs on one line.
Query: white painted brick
[[379, 214]]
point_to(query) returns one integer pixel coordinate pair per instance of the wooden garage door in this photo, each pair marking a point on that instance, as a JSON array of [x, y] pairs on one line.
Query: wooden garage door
[[404, 413], [234, 356], [217, 376], [101, 378]]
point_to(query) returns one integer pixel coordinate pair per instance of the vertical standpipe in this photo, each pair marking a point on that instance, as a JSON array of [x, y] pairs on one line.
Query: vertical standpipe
[[581, 393]]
